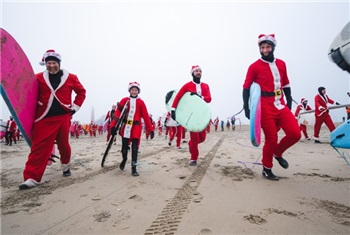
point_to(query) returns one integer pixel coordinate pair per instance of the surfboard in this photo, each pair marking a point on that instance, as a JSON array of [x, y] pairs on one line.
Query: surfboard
[[192, 112], [329, 108], [19, 86], [307, 119], [255, 114], [339, 49], [340, 137], [105, 126], [123, 115]]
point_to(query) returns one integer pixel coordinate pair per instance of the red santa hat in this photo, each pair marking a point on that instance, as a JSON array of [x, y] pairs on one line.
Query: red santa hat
[[303, 100], [269, 38], [134, 84], [50, 53], [194, 67]]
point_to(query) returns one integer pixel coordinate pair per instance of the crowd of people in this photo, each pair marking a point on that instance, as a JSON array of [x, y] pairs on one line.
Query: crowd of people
[[130, 118]]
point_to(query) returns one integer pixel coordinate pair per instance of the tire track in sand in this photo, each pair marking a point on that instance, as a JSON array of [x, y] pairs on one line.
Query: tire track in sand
[[169, 219]]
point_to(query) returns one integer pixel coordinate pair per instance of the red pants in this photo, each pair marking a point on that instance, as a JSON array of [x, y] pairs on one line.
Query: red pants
[[304, 130], [195, 139], [176, 131], [271, 122], [325, 118], [44, 134]]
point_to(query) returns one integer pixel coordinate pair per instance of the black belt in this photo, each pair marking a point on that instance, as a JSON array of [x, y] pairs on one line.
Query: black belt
[[131, 122], [271, 93]]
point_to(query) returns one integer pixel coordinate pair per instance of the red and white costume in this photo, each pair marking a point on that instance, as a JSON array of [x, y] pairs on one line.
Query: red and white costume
[[109, 119], [216, 123], [275, 114], [203, 90], [175, 129], [47, 130], [322, 114], [132, 128], [301, 107], [10, 134]]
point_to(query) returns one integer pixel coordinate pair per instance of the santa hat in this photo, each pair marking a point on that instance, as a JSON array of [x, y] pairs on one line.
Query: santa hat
[[194, 67], [50, 53], [134, 84], [303, 100], [269, 38]]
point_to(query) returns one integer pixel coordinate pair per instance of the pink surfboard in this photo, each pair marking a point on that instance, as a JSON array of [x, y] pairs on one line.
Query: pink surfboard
[[19, 86], [105, 126]]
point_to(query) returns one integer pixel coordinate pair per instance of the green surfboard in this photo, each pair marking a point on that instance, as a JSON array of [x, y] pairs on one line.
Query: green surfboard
[[192, 112]]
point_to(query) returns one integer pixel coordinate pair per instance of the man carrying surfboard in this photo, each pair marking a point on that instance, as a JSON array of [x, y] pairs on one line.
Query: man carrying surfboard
[[132, 128], [52, 119], [271, 74], [195, 87]]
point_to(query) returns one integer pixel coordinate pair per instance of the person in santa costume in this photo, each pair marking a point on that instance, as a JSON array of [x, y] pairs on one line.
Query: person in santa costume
[[303, 106], [271, 74], [322, 113], [175, 129], [216, 123], [132, 127], [109, 119], [10, 131], [196, 87], [53, 118]]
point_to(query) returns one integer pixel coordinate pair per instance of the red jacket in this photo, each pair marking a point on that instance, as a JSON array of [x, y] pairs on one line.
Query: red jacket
[[11, 126], [201, 89], [137, 110], [321, 104], [63, 93], [270, 77]]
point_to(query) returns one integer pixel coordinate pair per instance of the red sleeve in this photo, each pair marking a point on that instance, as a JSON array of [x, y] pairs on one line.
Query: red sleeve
[[145, 116], [330, 100], [206, 93], [297, 110], [79, 91], [250, 77], [185, 88]]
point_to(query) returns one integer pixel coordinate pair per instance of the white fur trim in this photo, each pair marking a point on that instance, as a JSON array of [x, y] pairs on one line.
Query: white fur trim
[[75, 107], [30, 183], [267, 37], [65, 167]]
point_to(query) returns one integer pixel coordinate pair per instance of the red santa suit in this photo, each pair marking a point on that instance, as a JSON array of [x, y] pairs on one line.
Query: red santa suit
[[109, 119], [159, 126], [216, 123], [322, 114], [132, 128], [48, 129], [203, 90], [272, 78], [10, 132], [301, 107], [175, 129]]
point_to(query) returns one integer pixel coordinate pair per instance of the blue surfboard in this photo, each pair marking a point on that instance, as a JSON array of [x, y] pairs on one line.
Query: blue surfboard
[[255, 114], [340, 137]]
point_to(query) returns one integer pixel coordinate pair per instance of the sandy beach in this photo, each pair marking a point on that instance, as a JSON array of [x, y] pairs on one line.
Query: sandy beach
[[224, 194]]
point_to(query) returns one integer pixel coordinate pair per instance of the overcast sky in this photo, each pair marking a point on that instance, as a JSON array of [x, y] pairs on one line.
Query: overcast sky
[[108, 44]]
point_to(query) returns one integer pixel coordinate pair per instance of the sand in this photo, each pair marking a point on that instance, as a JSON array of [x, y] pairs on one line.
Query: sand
[[221, 195]]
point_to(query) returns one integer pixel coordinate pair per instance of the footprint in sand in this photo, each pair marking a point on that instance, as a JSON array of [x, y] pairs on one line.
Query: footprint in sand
[[205, 231]]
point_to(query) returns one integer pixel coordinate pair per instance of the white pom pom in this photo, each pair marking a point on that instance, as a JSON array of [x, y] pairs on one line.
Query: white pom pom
[[42, 63]]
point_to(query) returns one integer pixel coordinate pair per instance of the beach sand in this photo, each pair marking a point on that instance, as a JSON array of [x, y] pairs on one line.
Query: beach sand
[[221, 195]]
